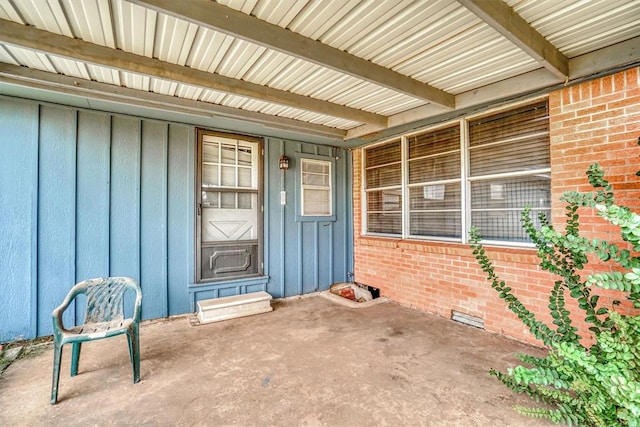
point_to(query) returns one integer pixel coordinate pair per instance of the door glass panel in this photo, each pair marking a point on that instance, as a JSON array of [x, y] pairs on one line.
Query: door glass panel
[[209, 175], [244, 177], [210, 199], [228, 154], [210, 152], [246, 200], [244, 155], [228, 201], [228, 178]]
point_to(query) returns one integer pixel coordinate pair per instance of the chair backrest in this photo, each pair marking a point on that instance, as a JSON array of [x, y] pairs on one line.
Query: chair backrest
[[105, 298]]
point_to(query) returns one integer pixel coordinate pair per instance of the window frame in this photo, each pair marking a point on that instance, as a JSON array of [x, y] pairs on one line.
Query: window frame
[[328, 188], [400, 186], [300, 217], [460, 180], [465, 179]]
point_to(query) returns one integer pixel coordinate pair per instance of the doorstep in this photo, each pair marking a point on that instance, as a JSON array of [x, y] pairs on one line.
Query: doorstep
[[218, 309]]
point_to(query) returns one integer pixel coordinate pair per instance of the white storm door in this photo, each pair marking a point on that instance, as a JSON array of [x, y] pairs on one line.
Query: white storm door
[[230, 207]]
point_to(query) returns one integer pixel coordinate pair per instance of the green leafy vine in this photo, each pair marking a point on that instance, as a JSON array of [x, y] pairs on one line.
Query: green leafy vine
[[595, 385]]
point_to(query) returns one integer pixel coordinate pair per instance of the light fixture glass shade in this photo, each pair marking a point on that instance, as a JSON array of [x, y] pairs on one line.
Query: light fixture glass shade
[[283, 162]]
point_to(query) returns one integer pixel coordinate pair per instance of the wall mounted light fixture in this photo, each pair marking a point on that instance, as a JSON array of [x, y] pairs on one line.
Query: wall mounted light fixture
[[283, 163]]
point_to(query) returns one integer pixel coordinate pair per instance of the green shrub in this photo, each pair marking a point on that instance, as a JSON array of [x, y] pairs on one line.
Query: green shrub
[[578, 384]]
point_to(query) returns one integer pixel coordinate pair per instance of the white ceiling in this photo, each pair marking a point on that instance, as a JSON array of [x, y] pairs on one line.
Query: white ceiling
[[361, 67]]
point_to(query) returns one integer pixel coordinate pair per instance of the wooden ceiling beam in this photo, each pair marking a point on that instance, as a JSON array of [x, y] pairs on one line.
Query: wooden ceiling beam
[[221, 18], [14, 74], [501, 17], [608, 60], [49, 43]]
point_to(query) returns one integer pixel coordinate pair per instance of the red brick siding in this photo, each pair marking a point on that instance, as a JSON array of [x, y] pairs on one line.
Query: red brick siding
[[593, 121]]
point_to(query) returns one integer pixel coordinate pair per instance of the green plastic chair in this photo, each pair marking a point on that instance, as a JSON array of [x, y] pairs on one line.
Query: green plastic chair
[[104, 318]]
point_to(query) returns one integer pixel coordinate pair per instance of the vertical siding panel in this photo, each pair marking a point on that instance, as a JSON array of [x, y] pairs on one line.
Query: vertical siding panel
[[299, 265], [56, 212], [180, 211], [343, 253], [92, 217], [326, 252], [153, 220], [274, 238], [294, 240], [308, 256], [92, 198], [124, 233], [266, 170], [18, 227], [316, 255]]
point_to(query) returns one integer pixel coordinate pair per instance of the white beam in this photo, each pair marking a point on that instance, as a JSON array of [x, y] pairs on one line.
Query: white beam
[[221, 18], [507, 22], [46, 42]]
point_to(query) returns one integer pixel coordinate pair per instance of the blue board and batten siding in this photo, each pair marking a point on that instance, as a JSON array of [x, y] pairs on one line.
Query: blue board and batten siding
[[86, 194]]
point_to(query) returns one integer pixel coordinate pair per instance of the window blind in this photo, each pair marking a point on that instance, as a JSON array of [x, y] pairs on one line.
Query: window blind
[[509, 164], [435, 205], [383, 179], [316, 188], [505, 168]]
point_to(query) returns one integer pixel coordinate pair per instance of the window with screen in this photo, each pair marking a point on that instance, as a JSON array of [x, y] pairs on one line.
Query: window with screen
[[316, 188], [434, 183], [482, 171], [509, 168], [383, 188]]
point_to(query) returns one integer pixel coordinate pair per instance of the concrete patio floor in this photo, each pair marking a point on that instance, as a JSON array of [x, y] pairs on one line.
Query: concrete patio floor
[[309, 362]]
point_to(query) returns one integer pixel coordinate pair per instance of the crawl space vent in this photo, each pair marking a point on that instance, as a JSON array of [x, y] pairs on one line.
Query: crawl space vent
[[476, 322]]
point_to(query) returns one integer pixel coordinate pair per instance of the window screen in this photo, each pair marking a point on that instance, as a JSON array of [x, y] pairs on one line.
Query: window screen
[[383, 179], [509, 166], [316, 188], [434, 183], [479, 172]]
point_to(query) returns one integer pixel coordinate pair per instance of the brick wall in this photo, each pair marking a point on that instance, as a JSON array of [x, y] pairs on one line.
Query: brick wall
[[593, 121]]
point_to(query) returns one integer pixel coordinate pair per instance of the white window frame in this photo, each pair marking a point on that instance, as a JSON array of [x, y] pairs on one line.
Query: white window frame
[[465, 180], [328, 188], [401, 187], [407, 186]]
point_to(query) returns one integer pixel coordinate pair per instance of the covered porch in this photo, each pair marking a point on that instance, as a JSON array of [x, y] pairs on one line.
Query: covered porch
[[309, 362]]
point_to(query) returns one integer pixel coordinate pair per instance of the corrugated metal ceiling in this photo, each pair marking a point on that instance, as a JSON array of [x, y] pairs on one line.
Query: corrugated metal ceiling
[[441, 43]]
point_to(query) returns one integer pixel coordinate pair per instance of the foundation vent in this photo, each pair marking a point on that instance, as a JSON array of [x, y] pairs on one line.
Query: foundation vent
[[467, 319]]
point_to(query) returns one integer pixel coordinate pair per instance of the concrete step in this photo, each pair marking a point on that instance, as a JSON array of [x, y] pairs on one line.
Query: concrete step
[[217, 309]]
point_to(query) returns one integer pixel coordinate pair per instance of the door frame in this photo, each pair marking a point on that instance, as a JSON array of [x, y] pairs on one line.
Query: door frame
[[200, 132]]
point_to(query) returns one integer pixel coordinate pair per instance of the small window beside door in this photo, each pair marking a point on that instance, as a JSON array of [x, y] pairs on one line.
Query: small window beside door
[[316, 189]]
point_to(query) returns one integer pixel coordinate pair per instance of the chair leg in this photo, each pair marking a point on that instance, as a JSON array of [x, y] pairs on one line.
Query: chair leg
[[57, 358], [75, 358], [133, 339]]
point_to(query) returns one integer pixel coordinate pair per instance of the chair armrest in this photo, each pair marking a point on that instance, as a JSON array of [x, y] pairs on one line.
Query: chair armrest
[[138, 304], [58, 311]]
